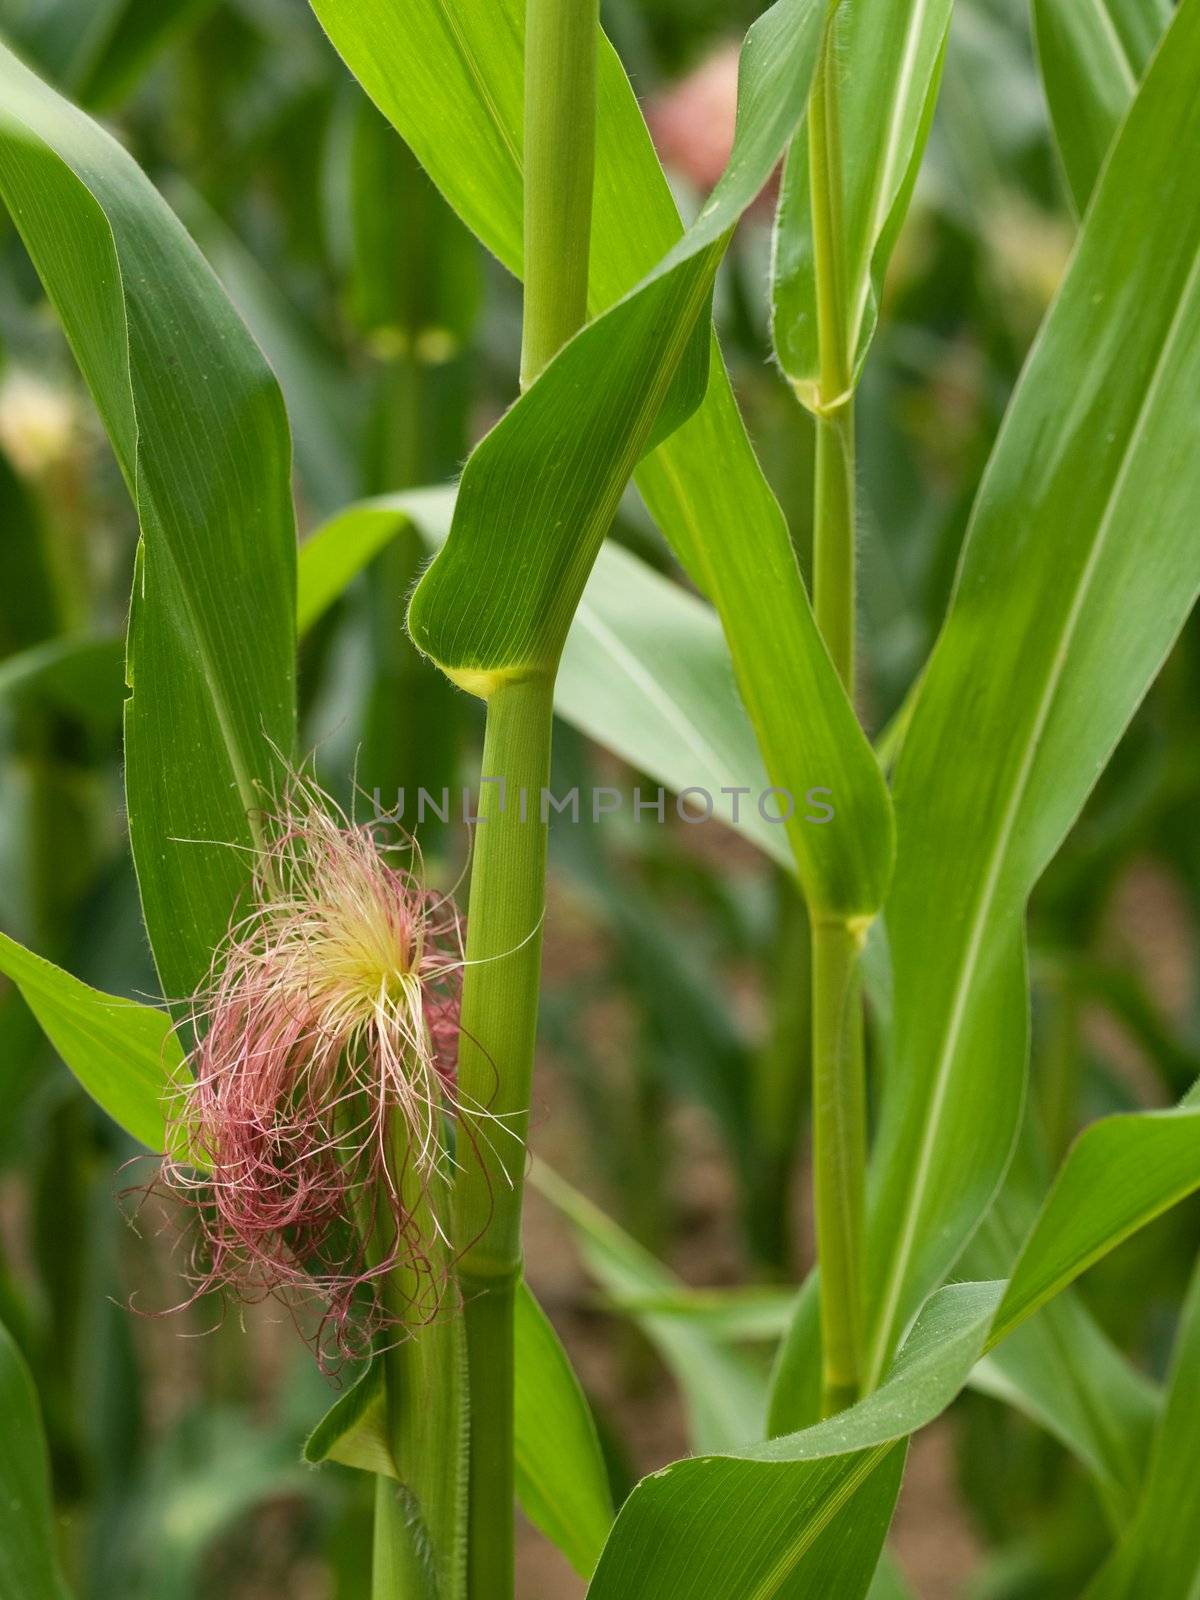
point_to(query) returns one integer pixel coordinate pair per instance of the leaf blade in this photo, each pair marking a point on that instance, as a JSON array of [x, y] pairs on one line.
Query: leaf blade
[[561, 1480], [1034, 678], [124, 1054], [1091, 59], [198, 428], [645, 670], [889, 54], [1159, 1555], [1120, 1174], [28, 1562], [539, 494]]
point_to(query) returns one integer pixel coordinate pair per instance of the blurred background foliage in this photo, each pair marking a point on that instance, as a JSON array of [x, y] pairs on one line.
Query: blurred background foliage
[[675, 1019]]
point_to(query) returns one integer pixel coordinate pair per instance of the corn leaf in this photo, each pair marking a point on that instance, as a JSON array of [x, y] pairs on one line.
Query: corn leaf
[[138, 31], [124, 1054], [745, 1314], [724, 1395], [645, 670], [449, 79], [324, 409], [889, 58], [28, 1562], [1062, 1371], [540, 492], [1160, 1555], [1120, 1174], [1059, 1367], [562, 1482], [806, 1530], [806, 1514], [1079, 568], [197, 425], [336, 552], [1092, 58], [690, 1523]]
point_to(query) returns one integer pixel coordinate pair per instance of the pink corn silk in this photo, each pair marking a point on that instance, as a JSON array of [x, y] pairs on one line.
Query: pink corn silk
[[312, 1126]]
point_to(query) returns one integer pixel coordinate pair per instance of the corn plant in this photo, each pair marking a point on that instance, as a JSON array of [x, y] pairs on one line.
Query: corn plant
[[337, 1080]]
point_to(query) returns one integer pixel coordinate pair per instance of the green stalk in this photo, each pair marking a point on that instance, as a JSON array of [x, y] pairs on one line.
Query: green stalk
[[560, 158], [508, 875], [839, 1093], [495, 1072]]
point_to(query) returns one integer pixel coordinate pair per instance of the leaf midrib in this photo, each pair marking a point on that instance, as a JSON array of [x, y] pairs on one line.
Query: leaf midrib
[[479, 79]]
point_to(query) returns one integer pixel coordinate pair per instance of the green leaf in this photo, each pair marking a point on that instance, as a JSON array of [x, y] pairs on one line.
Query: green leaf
[[1160, 1555], [718, 1528], [124, 1054], [889, 59], [197, 425], [1079, 568], [450, 81], [645, 671], [1156, 1156], [79, 674], [931, 1368], [889, 1582], [1059, 1367], [1092, 58], [138, 32], [761, 1522], [699, 1521], [1120, 1174], [744, 1314], [724, 1395], [561, 1480], [324, 409], [354, 1429], [539, 494], [1062, 1371], [28, 1561], [332, 556]]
